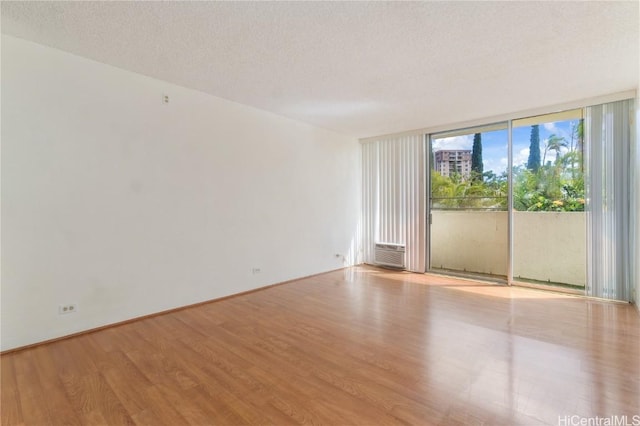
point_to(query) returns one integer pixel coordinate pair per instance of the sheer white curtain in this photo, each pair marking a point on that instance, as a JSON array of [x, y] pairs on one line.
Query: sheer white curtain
[[394, 197], [608, 138]]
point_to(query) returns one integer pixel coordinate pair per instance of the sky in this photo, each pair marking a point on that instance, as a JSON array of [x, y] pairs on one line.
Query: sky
[[495, 149]]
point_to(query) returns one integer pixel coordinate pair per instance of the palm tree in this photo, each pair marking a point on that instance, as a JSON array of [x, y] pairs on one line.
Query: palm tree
[[554, 143], [575, 155], [580, 142]]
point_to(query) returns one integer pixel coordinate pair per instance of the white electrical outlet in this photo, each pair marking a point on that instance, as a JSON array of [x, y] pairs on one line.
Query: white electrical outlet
[[255, 271], [67, 309]]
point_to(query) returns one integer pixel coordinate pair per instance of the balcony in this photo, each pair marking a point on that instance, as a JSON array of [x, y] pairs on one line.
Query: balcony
[[548, 247]]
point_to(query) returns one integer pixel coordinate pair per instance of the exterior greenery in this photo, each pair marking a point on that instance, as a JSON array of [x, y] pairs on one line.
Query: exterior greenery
[[555, 185], [455, 193]]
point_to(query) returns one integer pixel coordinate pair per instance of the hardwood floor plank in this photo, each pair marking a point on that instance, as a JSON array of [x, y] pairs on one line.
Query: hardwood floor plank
[[359, 346], [162, 409], [230, 371], [57, 403], [30, 391], [130, 390], [94, 401], [221, 393], [192, 406], [10, 409]]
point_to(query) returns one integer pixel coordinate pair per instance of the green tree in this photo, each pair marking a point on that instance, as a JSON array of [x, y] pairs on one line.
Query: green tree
[[477, 167], [554, 143], [577, 133], [456, 193], [446, 191], [533, 162]]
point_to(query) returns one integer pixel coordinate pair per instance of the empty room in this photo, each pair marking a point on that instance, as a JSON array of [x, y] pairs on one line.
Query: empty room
[[341, 213]]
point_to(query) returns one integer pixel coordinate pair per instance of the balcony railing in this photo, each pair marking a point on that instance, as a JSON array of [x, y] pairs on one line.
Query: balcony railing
[[477, 203]]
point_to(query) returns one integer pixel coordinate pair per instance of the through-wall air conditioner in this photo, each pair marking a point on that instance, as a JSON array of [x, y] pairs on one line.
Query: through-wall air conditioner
[[388, 254]]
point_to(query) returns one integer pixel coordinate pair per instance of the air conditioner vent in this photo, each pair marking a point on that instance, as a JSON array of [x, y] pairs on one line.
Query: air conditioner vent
[[388, 254]]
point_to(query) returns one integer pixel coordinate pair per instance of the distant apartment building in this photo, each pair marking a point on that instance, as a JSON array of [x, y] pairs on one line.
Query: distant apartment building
[[450, 161]]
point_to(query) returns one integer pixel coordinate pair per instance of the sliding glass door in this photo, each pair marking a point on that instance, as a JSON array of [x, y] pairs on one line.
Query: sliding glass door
[[468, 202], [549, 223], [538, 201], [541, 241]]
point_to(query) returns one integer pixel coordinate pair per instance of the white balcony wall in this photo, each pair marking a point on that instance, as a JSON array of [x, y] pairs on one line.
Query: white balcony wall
[[469, 241], [548, 246]]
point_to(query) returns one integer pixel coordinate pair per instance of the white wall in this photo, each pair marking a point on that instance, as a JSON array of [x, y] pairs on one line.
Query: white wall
[[127, 206]]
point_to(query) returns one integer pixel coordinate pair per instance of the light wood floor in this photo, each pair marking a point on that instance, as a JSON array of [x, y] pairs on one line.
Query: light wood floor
[[358, 346]]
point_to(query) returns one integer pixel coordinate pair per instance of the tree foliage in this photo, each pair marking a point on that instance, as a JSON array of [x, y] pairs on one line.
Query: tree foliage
[[477, 168], [454, 193], [546, 190], [554, 143], [533, 162]]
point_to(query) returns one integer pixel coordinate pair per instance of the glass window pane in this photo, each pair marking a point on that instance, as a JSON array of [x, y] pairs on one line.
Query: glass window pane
[[469, 216], [549, 238]]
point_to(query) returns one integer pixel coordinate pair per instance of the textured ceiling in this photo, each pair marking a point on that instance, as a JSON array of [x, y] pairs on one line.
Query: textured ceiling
[[359, 68]]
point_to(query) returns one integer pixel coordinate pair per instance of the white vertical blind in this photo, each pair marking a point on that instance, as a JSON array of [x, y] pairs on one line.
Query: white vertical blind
[[635, 203], [394, 197], [608, 185]]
